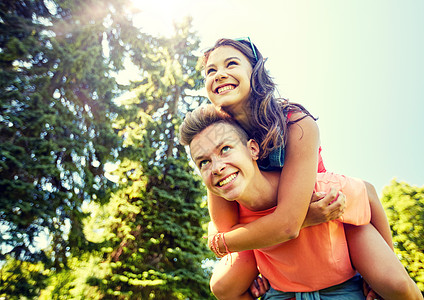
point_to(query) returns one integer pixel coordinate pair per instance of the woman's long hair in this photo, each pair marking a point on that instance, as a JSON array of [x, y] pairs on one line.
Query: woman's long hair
[[268, 114]]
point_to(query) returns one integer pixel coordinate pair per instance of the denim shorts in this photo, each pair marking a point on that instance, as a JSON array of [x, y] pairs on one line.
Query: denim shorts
[[348, 290]]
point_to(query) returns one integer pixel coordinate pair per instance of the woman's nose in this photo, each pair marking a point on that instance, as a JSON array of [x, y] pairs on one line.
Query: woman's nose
[[220, 75]]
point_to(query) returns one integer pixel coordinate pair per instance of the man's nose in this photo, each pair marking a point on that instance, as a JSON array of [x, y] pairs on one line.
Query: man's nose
[[218, 167]]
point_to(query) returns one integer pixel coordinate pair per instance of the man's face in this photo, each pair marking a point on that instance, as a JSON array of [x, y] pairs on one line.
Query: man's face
[[226, 164]]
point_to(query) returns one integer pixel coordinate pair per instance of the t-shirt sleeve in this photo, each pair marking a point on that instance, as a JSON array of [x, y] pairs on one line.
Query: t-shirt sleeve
[[357, 210]]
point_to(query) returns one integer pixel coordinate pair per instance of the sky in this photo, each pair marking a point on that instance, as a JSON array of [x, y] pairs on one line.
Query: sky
[[357, 65]]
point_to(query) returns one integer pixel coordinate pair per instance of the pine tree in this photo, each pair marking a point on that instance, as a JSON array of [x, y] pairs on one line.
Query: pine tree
[[155, 222], [404, 205], [56, 91]]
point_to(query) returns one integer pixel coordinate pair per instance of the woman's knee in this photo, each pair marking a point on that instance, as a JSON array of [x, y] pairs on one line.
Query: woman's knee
[[371, 191], [233, 276], [222, 288]]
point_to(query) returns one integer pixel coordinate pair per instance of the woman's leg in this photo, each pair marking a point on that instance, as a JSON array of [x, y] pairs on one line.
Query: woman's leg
[[233, 276], [377, 263]]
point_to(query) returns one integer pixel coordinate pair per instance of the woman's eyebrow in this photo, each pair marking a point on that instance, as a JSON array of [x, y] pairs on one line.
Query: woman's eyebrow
[[227, 59], [231, 58], [210, 66]]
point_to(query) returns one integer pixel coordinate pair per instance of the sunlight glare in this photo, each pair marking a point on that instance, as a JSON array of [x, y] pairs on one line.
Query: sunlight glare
[[131, 73], [158, 17]]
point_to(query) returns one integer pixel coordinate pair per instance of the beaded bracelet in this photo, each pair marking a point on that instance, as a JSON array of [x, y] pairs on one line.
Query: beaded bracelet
[[214, 244], [216, 239], [211, 244], [225, 245]]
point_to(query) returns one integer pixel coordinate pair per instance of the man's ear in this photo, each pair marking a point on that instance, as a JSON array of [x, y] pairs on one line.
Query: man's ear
[[253, 148]]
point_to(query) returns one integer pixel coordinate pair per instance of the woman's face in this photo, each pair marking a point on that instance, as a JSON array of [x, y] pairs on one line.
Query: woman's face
[[228, 73]]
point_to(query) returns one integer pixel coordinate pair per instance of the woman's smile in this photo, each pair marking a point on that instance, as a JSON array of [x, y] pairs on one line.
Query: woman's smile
[[221, 89]]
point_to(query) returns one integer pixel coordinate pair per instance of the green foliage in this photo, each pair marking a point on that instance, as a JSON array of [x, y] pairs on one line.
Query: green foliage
[[56, 104], [139, 237], [153, 225], [404, 205], [20, 278], [71, 282]]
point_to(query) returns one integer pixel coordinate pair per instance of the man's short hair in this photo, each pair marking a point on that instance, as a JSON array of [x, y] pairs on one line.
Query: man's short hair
[[203, 117]]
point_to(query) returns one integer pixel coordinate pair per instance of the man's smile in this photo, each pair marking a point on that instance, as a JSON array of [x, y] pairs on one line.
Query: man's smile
[[227, 179]]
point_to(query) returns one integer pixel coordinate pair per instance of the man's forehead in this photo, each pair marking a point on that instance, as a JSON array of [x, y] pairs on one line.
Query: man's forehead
[[212, 136], [219, 131]]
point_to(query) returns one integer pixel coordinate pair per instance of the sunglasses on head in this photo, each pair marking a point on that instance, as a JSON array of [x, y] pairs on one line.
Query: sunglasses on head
[[247, 39]]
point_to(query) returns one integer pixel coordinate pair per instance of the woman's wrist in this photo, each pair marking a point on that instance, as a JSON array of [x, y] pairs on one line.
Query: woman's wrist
[[218, 245]]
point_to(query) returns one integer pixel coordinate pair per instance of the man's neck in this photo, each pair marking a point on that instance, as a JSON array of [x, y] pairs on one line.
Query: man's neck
[[262, 194]]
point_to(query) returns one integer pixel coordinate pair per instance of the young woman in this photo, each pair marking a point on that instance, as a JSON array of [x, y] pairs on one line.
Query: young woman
[[238, 84]]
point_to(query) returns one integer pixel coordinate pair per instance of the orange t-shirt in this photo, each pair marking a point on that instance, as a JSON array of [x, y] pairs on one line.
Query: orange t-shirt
[[319, 257]]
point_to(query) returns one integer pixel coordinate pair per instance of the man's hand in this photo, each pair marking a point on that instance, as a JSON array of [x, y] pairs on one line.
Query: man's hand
[[369, 293], [325, 207], [259, 287]]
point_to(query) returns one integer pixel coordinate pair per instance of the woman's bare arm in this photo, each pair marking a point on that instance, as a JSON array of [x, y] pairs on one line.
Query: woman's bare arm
[[294, 193]]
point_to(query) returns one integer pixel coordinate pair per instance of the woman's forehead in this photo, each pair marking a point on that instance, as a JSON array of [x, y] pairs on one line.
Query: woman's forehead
[[223, 52]]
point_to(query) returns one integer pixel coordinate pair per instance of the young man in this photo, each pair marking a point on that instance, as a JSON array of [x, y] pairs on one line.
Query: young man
[[317, 260]]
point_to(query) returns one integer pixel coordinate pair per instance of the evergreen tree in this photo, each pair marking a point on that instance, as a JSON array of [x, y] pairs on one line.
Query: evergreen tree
[[56, 92], [155, 222], [404, 205], [21, 278]]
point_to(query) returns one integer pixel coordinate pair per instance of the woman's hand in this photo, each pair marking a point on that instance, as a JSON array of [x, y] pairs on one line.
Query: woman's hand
[[324, 208]]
